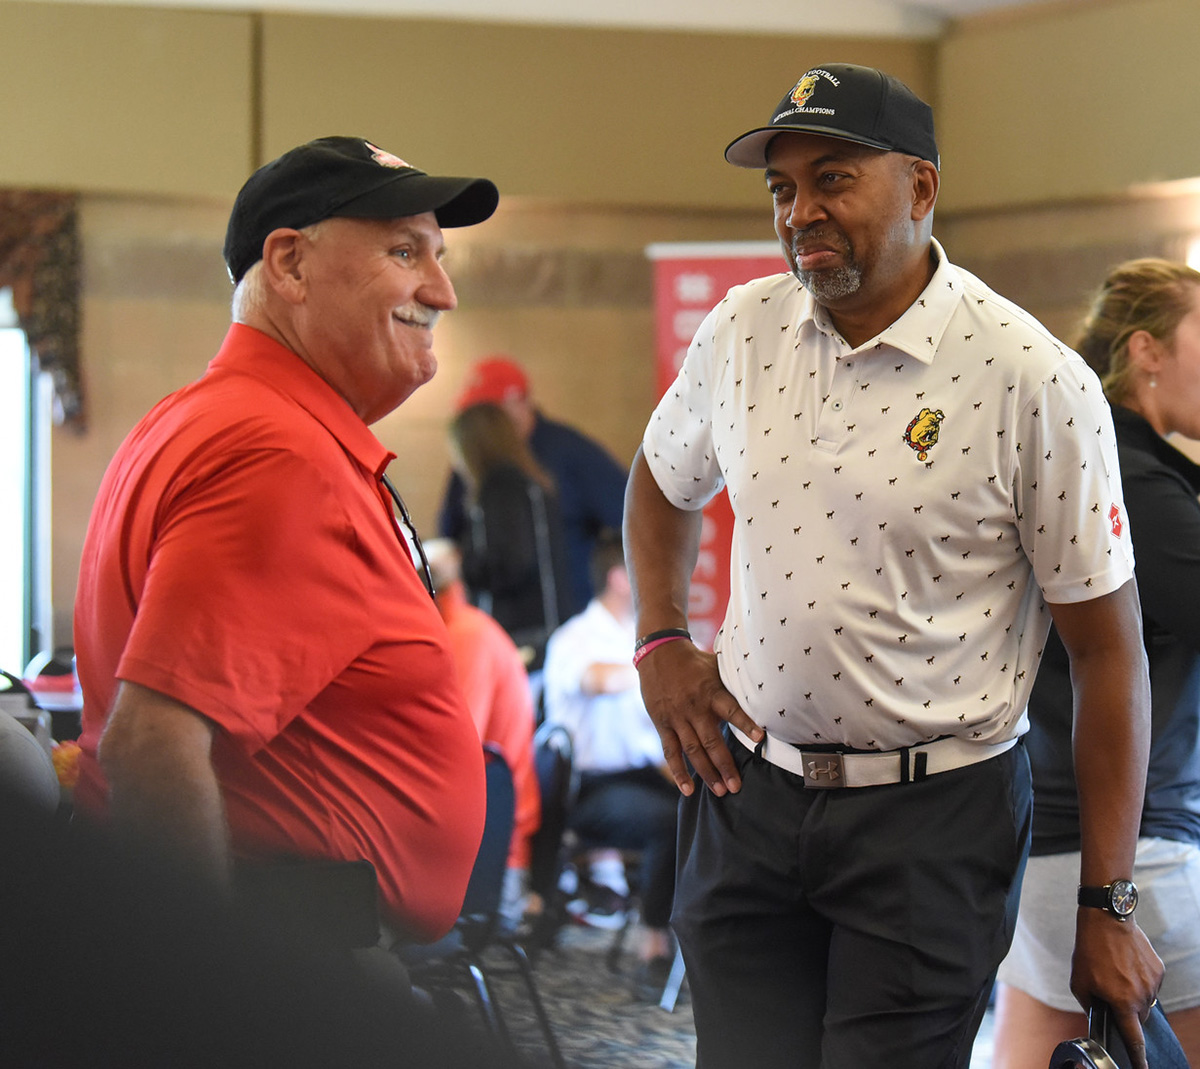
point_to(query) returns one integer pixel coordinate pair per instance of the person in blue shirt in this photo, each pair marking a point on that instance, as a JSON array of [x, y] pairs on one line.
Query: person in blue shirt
[[590, 484]]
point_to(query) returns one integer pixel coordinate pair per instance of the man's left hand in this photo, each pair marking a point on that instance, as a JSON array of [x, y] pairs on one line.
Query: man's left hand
[[1115, 963]]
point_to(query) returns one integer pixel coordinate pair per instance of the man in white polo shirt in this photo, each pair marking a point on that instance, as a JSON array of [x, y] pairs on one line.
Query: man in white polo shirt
[[921, 478]]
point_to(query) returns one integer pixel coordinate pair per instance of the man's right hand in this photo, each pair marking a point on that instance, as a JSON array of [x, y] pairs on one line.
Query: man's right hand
[[684, 695]]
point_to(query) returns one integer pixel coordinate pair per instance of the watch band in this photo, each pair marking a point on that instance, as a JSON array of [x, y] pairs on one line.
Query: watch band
[[1118, 898]]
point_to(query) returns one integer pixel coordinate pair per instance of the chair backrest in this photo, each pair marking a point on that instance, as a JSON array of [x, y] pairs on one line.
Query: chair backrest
[[554, 763], [482, 900]]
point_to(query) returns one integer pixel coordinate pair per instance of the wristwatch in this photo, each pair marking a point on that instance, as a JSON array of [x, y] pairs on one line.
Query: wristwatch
[[1119, 898]]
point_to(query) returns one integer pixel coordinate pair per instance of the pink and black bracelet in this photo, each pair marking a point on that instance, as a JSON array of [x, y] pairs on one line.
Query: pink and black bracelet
[[655, 639]]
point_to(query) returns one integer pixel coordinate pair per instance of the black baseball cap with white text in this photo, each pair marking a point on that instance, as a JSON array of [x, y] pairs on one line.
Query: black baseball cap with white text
[[854, 103]]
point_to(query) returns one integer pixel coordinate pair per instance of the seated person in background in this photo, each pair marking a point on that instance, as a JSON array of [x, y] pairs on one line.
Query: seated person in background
[[497, 691], [625, 800], [1143, 339], [265, 675], [589, 482], [513, 555]]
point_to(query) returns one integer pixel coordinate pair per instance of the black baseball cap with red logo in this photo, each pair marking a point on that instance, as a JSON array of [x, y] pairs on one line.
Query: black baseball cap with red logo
[[347, 177], [859, 104]]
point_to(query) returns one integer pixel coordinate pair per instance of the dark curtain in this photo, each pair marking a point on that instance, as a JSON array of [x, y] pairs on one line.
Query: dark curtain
[[39, 259]]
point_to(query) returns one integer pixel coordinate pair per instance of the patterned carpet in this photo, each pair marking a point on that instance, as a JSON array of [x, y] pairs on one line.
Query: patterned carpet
[[595, 1018]]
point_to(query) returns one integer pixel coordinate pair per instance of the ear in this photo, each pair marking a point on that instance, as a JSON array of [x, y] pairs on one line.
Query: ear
[[925, 184], [1146, 352], [283, 263]]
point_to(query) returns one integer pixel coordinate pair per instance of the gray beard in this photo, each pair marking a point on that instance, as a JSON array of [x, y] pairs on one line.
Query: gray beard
[[833, 285]]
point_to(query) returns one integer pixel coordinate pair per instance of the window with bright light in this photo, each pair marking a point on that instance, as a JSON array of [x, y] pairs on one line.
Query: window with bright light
[[24, 501]]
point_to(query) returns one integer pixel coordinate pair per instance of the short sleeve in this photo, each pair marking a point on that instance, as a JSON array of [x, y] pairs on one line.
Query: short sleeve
[[1070, 507], [678, 443], [249, 610]]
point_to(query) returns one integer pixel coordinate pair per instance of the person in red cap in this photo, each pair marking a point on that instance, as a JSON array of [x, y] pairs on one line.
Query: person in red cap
[[265, 673], [588, 482], [500, 381]]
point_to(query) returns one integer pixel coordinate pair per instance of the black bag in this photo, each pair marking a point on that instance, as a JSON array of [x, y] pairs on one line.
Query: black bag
[[1103, 1047]]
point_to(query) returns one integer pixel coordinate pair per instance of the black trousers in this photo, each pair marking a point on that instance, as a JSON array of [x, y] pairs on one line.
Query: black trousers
[[850, 928]]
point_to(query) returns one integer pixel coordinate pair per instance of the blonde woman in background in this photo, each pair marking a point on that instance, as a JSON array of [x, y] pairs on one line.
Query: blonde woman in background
[[1142, 337], [513, 557]]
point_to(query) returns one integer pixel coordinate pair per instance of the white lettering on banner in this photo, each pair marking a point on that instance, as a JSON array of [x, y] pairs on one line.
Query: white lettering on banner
[[706, 565], [694, 289], [687, 321]]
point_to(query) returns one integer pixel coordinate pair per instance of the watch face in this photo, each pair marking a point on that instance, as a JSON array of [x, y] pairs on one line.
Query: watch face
[[1123, 897]]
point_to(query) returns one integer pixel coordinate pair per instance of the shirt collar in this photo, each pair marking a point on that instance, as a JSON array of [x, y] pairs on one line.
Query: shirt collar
[[1133, 429], [249, 351], [918, 332]]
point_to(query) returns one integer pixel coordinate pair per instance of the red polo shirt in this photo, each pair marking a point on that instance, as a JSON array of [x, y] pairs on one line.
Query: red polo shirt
[[243, 558]]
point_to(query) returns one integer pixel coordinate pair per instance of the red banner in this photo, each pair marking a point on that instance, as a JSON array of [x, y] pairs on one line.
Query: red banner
[[688, 280]]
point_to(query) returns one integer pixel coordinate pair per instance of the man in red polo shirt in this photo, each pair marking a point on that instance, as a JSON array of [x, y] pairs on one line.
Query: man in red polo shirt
[[265, 674]]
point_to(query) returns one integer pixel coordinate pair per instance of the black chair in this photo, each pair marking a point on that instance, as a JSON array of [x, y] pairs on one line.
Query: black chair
[[554, 764], [554, 849], [458, 959]]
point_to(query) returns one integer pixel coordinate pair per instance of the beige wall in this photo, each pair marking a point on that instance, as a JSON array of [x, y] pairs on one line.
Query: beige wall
[[1049, 258], [124, 99], [602, 142], [167, 101], [591, 116], [1077, 100]]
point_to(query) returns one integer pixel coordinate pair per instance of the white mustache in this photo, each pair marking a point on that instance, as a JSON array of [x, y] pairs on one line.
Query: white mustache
[[418, 314]]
